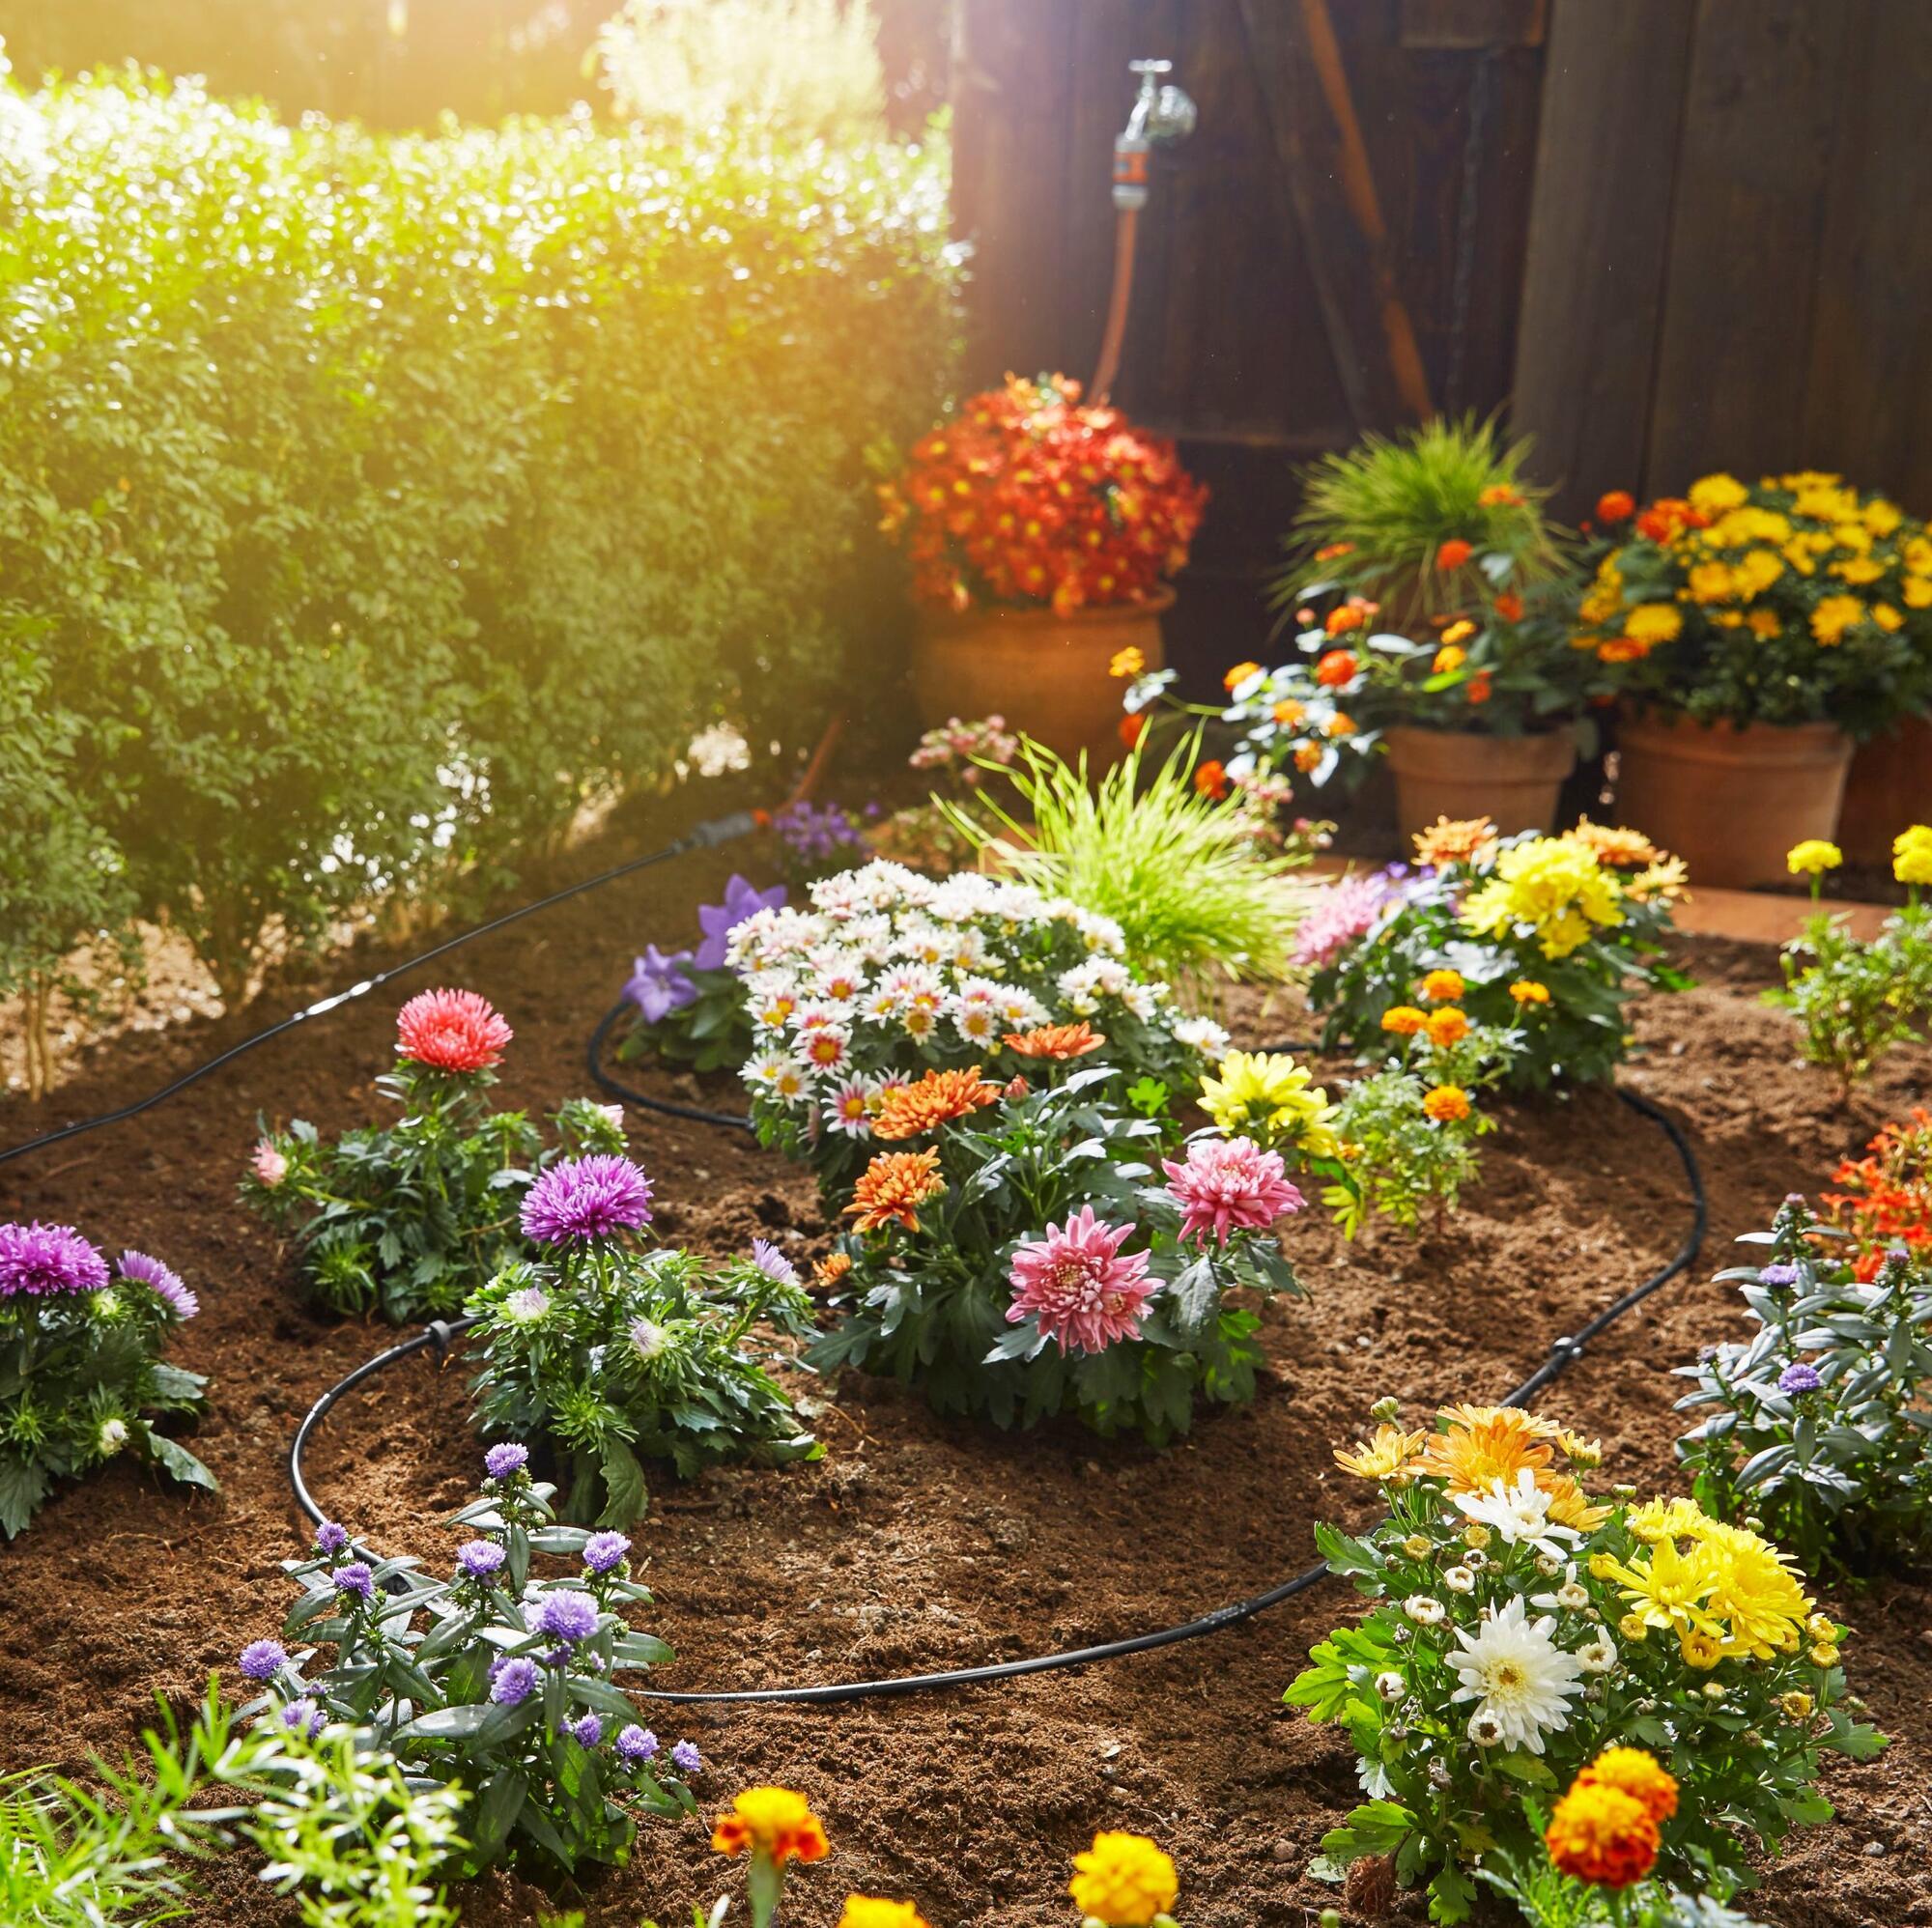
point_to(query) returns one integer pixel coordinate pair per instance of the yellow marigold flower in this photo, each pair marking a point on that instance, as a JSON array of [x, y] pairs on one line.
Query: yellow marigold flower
[[1918, 592], [1714, 494], [1912, 855], [907, 1110], [1449, 841], [1448, 1026], [1640, 1776], [1833, 616], [1440, 987], [1763, 624], [1527, 991], [1852, 536], [1449, 657], [892, 1187], [865, 1911], [1710, 583], [1124, 1881], [1653, 623], [1129, 662], [1757, 569], [1268, 1091], [1555, 887], [1385, 1454], [1887, 618], [1601, 1835], [1860, 569], [1882, 517], [1446, 1104], [773, 1821], [1463, 628], [1240, 674], [1404, 1020], [1812, 858]]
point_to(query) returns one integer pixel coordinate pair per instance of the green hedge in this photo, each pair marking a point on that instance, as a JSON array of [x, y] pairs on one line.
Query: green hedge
[[366, 505]]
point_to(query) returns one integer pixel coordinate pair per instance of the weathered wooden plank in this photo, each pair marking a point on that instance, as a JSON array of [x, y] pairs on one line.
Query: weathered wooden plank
[[1599, 240]]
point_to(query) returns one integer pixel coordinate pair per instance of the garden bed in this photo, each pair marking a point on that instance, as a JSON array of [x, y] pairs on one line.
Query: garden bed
[[921, 1544]]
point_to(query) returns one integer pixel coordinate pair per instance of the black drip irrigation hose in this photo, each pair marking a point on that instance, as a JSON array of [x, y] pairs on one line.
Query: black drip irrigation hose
[[700, 836], [593, 1057], [1563, 1355]]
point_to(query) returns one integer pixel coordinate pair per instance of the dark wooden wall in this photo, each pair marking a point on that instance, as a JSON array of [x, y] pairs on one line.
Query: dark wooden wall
[[1664, 235]]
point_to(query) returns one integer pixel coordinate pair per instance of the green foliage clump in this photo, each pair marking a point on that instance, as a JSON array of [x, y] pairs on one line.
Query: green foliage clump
[[1854, 1000], [373, 503]]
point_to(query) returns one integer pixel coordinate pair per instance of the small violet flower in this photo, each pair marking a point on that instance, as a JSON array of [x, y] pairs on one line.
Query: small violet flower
[[163, 1281], [478, 1559], [637, 1744], [355, 1579], [1800, 1378], [264, 1660], [1779, 1275], [687, 1757], [511, 1681], [501, 1462], [603, 1551], [303, 1718], [330, 1537], [570, 1615], [587, 1732]]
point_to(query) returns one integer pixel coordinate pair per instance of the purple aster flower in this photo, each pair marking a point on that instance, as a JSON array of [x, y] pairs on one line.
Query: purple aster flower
[[773, 1263], [511, 1681], [478, 1559], [164, 1283], [637, 1744], [1799, 1378], [501, 1462], [1779, 1275], [42, 1260], [587, 1732], [302, 1716], [356, 1579], [658, 985], [570, 1615], [330, 1537], [604, 1551], [686, 1756], [586, 1197], [719, 921], [264, 1660], [1347, 909]]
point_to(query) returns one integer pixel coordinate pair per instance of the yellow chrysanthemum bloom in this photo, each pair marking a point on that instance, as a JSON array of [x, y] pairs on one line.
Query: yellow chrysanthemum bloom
[[1712, 583], [1667, 1590], [1487, 1444], [1812, 858], [1852, 536], [1753, 1590], [1887, 618], [1912, 855], [1882, 517], [1860, 569], [1555, 887], [1759, 569], [1269, 1091], [1918, 592], [1833, 616], [1384, 1454], [1825, 503], [1666, 878], [1667, 1519], [1714, 494], [865, 1911], [1569, 1505], [1124, 1881], [1654, 622]]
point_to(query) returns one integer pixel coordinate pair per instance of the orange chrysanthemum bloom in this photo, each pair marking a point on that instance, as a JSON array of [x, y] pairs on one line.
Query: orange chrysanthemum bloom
[[1569, 1505], [1335, 667], [1404, 1020], [1625, 849], [1442, 988], [829, 1269], [1485, 1444], [1450, 841], [1448, 1026], [1056, 1040], [908, 1111], [892, 1187], [1601, 1835], [1640, 1776], [773, 1821], [1446, 1104]]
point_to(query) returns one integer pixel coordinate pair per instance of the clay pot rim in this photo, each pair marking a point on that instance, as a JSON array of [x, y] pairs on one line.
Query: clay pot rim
[[936, 619], [1663, 723], [1492, 736]]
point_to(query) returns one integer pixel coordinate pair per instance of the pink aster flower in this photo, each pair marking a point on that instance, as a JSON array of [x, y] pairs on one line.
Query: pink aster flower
[[1081, 1287], [452, 1031], [271, 1167], [1229, 1184]]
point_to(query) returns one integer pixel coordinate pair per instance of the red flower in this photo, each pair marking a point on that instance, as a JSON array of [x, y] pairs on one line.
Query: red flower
[[1453, 554], [1132, 729], [1212, 779], [451, 1031], [1509, 607], [1344, 616], [1477, 689], [1335, 668], [1615, 505]]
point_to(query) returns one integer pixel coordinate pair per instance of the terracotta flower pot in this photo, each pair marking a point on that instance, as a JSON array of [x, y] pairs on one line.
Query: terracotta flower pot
[[1730, 801], [1890, 786], [1045, 673], [1513, 781]]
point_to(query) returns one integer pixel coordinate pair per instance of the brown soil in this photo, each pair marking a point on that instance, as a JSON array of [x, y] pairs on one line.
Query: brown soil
[[917, 1543]]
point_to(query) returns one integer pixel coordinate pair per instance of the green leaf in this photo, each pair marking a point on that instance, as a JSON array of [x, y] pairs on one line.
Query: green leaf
[[179, 1462], [1344, 1554]]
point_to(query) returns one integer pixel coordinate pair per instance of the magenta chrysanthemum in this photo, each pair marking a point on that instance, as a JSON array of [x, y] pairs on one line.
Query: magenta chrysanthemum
[[452, 1031], [586, 1197], [1337, 917], [1083, 1291], [163, 1281], [42, 1260], [1228, 1185]]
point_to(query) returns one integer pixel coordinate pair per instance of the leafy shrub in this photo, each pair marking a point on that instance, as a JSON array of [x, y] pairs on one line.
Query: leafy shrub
[[990, 1266], [1818, 1425], [1520, 1627], [1551, 936], [82, 1375], [372, 502], [620, 1356], [409, 1220], [491, 1681]]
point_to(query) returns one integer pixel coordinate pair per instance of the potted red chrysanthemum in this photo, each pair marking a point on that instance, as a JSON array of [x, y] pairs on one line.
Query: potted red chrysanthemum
[[1043, 535]]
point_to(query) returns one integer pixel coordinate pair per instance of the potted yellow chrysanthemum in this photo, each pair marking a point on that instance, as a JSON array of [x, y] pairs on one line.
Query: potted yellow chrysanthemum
[[1757, 631]]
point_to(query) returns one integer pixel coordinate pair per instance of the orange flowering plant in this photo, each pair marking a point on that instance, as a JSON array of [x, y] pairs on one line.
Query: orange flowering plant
[[1795, 599], [1526, 1633], [1029, 498]]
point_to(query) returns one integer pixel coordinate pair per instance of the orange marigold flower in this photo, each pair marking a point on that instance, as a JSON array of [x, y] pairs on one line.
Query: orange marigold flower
[[1287, 712], [833, 1267], [1451, 656], [1455, 841], [1446, 1104], [892, 1187], [1640, 1776], [1527, 991], [1056, 1040], [1603, 1836], [1453, 554], [1626, 849], [1483, 1444], [1335, 667], [1448, 1026], [1344, 616], [1212, 778], [1477, 687], [1442, 988], [1240, 674], [1132, 729], [907, 1110], [1509, 607], [1404, 1020], [1341, 724], [1615, 505], [773, 1821]]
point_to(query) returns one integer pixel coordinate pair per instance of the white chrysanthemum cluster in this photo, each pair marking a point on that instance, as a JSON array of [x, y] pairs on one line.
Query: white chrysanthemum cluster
[[888, 970]]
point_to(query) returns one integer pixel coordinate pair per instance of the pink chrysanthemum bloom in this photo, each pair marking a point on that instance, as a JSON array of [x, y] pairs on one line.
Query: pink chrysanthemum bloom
[[1081, 1287], [271, 1166], [1229, 1184], [1347, 909], [452, 1031]]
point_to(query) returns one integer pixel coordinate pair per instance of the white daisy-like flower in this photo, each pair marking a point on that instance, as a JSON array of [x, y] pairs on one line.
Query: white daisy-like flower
[[838, 977], [1521, 1514], [525, 1306], [1424, 1610], [1202, 1035], [1572, 1597], [849, 1108], [1459, 1579], [1514, 1670], [1390, 1685], [918, 1023], [827, 1050], [1597, 1656], [1143, 1000], [791, 1081], [977, 1024]]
